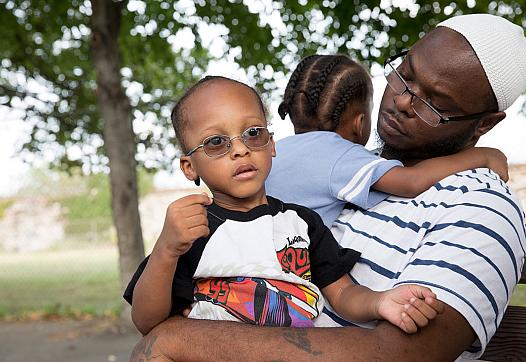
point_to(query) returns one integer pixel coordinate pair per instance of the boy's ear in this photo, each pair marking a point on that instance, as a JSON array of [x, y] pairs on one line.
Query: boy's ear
[[185, 163]]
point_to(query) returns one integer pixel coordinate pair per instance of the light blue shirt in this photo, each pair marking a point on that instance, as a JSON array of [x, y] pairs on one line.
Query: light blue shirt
[[323, 171]]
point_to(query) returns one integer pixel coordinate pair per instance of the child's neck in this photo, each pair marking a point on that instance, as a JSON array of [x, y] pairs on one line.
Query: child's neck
[[233, 203]]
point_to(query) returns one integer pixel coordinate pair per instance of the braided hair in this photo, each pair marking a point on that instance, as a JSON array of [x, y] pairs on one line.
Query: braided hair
[[321, 88], [178, 116]]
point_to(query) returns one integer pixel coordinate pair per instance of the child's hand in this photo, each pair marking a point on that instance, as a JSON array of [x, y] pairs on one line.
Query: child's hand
[[409, 307], [185, 222], [496, 161]]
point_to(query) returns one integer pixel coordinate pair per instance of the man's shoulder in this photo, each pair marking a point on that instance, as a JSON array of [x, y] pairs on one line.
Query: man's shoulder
[[480, 181]]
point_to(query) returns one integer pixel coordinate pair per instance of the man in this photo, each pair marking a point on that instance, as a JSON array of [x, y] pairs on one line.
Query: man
[[464, 238]]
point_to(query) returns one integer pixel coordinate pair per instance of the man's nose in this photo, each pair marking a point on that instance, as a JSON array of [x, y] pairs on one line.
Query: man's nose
[[239, 149], [404, 103]]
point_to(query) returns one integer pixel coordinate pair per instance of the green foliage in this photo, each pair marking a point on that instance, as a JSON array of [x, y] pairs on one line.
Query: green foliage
[[49, 41], [4, 205]]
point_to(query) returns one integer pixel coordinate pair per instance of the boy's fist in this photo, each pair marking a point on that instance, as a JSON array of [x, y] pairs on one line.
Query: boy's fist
[[409, 306], [185, 222]]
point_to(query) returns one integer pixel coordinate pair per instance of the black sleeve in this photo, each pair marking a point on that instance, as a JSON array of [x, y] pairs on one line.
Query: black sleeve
[[182, 285], [329, 262]]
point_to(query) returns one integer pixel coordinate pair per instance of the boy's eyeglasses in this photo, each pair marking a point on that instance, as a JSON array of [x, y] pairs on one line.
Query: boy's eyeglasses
[[425, 111], [218, 145]]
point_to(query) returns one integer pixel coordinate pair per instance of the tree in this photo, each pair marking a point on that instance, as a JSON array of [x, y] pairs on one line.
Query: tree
[[87, 74], [72, 66]]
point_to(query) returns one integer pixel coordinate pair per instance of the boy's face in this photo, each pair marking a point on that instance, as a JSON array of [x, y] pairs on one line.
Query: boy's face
[[236, 179]]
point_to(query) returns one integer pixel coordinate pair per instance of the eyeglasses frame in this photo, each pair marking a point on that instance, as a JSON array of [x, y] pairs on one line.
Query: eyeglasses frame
[[443, 119], [229, 144]]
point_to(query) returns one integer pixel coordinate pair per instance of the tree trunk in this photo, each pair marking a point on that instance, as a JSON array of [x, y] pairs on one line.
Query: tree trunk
[[118, 134]]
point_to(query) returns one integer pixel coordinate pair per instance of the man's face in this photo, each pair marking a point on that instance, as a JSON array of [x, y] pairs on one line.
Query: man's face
[[443, 70]]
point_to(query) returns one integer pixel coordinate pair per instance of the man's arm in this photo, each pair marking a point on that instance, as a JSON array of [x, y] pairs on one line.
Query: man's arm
[[180, 339]]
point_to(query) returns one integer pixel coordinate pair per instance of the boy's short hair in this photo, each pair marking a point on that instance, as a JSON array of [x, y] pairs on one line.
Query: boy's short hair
[[320, 89], [178, 116]]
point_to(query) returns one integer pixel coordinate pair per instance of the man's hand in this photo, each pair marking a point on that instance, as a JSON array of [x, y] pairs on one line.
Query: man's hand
[[185, 222], [409, 307]]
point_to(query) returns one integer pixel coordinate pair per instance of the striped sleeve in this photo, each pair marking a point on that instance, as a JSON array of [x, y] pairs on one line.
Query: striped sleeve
[[471, 257], [354, 173]]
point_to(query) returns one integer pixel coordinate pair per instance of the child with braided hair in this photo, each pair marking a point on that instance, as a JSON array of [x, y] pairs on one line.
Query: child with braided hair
[[325, 164], [243, 256]]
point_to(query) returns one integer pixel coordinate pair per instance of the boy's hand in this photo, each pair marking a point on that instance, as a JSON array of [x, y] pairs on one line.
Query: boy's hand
[[496, 161], [185, 222], [409, 307]]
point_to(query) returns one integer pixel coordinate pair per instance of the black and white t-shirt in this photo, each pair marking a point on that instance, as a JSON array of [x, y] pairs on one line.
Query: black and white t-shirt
[[265, 267]]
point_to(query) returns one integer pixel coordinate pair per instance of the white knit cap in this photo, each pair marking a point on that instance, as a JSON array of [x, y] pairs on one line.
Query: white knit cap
[[500, 46]]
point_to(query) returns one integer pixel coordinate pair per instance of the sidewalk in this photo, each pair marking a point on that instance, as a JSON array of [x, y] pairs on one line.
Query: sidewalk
[[98, 340]]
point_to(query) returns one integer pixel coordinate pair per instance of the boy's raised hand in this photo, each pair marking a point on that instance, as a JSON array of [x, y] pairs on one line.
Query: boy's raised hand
[[409, 306], [184, 223]]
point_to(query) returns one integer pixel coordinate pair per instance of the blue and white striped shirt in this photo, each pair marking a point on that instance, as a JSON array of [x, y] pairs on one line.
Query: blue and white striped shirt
[[464, 238]]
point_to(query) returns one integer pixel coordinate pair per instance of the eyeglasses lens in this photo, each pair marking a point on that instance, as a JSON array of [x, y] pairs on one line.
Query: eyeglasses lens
[[253, 138], [395, 82]]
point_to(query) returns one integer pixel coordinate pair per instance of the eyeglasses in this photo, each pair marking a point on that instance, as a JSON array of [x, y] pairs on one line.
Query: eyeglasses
[[425, 111], [218, 145]]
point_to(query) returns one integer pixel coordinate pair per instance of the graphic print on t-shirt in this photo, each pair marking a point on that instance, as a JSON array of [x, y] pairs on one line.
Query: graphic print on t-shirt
[[295, 259], [260, 301]]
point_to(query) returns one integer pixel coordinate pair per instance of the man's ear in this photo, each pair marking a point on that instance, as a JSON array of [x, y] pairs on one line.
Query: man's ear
[[273, 145], [488, 122], [185, 163]]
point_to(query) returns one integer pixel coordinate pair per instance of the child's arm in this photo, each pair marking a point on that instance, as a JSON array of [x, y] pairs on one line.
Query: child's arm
[[411, 181], [406, 306], [185, 222]]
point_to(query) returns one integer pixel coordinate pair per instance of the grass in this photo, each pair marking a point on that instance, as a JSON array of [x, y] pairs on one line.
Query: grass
[[73, 283], [63, 283], [519, 296]]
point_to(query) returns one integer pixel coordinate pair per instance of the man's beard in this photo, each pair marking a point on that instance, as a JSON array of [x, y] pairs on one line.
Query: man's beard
[[438, 148]]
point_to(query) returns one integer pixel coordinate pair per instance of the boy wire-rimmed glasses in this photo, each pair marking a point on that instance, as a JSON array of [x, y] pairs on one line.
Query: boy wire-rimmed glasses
[[218, 145], [425, 111]]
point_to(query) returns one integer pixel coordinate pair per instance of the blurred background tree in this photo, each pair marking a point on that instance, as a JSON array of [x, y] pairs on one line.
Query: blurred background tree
[[96, 80]]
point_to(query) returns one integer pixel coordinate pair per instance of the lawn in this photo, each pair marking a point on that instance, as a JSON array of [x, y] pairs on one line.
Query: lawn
[[73, 283], [60, 282]]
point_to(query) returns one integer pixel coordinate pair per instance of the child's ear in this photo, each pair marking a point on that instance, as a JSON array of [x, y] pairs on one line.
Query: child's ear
[[358, 125], [185, 163]]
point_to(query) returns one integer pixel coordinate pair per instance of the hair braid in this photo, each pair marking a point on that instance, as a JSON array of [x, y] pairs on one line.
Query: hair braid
[[346, 93], [320, 82], [290, 90]]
